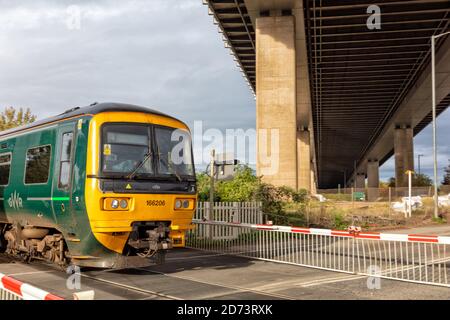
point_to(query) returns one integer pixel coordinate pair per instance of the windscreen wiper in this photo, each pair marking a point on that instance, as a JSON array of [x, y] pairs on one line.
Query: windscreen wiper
[[174, 172], [133, 173]]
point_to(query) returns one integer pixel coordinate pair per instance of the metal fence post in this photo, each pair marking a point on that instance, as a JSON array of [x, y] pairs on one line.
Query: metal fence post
[[390, 201], [236, 217]]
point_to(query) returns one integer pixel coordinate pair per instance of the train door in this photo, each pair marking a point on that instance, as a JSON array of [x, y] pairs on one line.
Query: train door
[[62, 177]]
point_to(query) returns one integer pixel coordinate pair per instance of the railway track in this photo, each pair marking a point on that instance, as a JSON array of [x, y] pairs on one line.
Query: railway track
[[109, 279], [151, 293], [232, 287]]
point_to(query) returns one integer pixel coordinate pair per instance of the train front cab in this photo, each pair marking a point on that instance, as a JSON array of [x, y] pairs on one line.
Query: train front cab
[[159, 197]]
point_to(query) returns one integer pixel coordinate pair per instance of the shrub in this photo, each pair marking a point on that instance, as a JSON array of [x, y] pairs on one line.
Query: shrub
[[245, 186], [241, 188]]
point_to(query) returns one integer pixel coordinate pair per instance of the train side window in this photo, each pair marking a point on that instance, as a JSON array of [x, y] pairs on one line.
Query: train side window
[[65, 162], [5, 168], [37, 165]]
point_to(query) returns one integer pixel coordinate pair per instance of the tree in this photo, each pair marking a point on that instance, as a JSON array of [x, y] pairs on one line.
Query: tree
[[11, 118], [421, 180], [418, 180], [391, 182], [446, 181]]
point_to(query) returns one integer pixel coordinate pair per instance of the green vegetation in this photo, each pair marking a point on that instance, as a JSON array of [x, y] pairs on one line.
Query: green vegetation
[[11, 118], [418, 180], [286, 206], [446, 181], [245, 186], [439, 220], [338, 219]]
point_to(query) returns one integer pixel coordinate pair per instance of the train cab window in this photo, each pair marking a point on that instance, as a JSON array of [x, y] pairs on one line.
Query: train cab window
[[65, 160], [174, 151], [37, 164], [5, 167], [124, 147]]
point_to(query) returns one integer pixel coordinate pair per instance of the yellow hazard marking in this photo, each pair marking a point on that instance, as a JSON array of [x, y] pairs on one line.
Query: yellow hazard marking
[[107, 149], [128, 187]]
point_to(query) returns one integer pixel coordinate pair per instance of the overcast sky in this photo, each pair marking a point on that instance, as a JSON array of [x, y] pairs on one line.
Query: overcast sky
[[165, 54]]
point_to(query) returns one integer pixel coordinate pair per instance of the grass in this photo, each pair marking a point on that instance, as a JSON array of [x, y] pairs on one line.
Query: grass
[[439, 220]]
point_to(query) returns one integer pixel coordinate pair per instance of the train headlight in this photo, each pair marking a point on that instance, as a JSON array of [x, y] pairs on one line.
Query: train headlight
[[123, 203], [116, 204], [184, 204]]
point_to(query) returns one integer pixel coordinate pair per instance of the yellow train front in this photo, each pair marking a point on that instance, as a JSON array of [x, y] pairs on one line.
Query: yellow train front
[[122, 187]]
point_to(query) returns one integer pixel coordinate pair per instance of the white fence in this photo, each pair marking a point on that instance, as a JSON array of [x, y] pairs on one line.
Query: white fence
[[232, 212]]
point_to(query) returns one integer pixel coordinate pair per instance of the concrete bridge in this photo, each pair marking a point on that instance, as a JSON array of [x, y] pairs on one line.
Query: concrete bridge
[[344, 93]]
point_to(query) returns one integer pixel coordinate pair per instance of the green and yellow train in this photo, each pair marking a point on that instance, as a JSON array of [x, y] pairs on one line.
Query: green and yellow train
[[109, 185]]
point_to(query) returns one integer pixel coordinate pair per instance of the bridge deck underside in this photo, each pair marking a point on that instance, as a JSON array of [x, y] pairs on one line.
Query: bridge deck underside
[[359, 77]]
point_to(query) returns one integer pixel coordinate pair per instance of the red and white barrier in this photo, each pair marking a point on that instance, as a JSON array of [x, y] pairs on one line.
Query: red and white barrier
[[24, 290], [351, 232]]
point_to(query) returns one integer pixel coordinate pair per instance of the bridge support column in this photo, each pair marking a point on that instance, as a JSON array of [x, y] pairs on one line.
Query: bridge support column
[[373, 180], [360, 181], [304, 159], [404, 154], [276, 113], [313, 181]]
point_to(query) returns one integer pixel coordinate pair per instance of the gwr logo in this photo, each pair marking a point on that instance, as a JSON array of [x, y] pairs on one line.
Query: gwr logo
[[15, 201]]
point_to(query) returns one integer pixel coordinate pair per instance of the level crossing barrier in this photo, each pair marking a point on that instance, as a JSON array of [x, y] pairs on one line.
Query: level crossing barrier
[[408, 257]]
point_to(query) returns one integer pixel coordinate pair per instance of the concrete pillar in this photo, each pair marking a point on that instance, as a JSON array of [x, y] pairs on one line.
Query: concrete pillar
[[360, 180], [404, 154], [313, 180], [303, 94], [303, 160], [276, 99], [373, 180]]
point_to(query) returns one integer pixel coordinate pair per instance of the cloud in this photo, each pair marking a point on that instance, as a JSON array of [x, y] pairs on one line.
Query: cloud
[[165, 54]]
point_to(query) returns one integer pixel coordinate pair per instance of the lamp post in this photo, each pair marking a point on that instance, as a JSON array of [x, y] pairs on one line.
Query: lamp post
[[418, 160], [433, 95]]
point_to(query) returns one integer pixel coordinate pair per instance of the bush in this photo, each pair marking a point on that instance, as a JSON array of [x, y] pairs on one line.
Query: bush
[[339, 221], [245, 186], [203, 186], [241, 188], [270, 197]]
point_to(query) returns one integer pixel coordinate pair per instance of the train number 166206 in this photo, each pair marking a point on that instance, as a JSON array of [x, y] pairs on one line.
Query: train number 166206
[[156, 203]]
